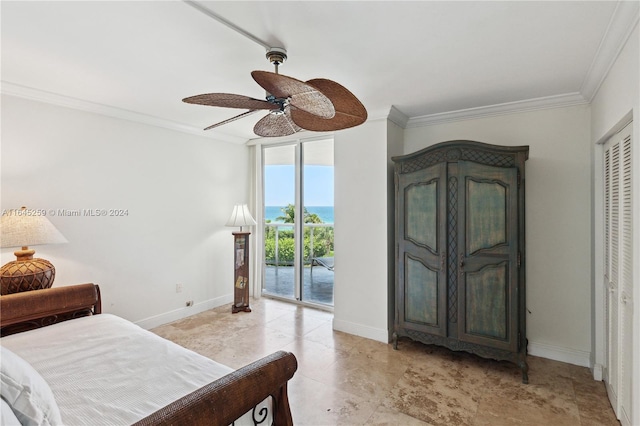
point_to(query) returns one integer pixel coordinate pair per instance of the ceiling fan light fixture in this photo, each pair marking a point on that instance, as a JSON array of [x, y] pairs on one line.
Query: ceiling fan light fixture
[[274, 125]]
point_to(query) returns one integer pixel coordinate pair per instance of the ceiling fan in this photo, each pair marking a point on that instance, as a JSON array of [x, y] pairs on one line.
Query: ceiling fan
[[318, 105]]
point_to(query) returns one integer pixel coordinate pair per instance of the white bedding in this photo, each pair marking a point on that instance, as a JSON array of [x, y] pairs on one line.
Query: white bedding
[[103, 369]]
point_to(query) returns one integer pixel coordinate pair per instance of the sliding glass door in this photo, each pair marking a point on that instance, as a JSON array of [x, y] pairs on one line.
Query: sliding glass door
[[298, 183], [317, 194], [279, 173]]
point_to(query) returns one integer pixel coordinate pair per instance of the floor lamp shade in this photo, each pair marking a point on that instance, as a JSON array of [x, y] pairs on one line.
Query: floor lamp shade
[[241, 216], [23, 228]]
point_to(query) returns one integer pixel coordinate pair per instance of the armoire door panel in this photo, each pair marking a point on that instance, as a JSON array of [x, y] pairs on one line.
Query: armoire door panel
[[488, 255], [487, 215], [488, 207], [421, 209], [421, 246], [422, 198], [422, 288], [487, 302]]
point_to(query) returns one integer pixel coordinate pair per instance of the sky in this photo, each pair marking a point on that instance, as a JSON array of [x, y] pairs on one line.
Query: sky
[[280, 186]]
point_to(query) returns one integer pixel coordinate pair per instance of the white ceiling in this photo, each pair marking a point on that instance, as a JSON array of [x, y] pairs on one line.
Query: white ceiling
[[137, 60]]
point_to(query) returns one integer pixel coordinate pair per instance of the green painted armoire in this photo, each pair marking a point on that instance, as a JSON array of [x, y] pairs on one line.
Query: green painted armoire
[[460, 249]]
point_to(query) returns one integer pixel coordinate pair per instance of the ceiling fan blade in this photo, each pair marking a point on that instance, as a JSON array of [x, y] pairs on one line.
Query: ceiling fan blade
[[276, 124], [237, 117], [228, 100], [303, 96], [349, 110]]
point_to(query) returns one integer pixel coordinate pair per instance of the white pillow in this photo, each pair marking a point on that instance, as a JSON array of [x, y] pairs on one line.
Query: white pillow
[[26, 391], [7, 418]]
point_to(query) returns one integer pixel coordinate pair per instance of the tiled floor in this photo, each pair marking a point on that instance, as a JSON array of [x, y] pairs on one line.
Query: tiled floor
[[347, 380]]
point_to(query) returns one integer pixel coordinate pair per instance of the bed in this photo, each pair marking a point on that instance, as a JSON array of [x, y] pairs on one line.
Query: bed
[[65, 362]]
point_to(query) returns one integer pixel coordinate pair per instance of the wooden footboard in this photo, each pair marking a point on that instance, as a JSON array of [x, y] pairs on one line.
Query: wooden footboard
[[218, 403], [228, 398]]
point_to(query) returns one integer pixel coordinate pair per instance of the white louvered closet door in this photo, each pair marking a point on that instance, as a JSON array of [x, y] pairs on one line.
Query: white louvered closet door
[[618, 270]]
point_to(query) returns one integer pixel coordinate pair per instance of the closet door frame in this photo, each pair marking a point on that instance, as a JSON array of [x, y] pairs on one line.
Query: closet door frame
[[600, 350]]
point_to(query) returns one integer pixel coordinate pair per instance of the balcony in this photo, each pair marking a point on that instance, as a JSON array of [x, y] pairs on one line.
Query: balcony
[[317, 271]]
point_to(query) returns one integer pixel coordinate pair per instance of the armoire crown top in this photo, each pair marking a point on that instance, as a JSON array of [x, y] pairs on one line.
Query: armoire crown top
[[462, 150]]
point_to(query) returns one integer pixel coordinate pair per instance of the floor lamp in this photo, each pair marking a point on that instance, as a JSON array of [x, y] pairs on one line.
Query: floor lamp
[[24, 228], [241, 217]]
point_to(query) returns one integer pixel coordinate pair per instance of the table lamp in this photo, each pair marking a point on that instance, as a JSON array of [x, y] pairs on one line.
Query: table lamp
[[241, 217], [24, 228]]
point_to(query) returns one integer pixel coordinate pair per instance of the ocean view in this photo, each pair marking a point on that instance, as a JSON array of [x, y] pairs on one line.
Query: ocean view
[[324, 212]]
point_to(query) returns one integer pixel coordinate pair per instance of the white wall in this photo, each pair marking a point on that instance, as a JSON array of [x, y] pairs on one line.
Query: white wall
[[558, 218], [179, 190], [616, 102], [361, 231]]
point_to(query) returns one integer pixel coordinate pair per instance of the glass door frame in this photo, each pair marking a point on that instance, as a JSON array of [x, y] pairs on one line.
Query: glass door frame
[[298, 224]]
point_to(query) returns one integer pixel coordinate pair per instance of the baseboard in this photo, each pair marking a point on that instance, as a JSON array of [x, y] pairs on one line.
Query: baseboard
[[559, 353], [381, 335], [177, 314], [598, 372]]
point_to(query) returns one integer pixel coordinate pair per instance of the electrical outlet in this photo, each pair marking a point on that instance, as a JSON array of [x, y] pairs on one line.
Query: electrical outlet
[[189, 303], [179, 288]]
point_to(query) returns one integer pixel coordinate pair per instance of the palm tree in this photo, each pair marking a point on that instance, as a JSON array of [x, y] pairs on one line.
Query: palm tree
[[290, 214]]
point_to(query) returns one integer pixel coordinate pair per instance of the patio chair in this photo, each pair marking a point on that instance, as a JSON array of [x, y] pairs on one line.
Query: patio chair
[[327, 262]]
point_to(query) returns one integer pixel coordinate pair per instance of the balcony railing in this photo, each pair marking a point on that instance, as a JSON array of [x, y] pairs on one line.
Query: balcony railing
[[280, 246]]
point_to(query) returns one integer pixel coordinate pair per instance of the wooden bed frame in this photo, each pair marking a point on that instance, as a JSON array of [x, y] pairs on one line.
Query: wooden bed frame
[[220, 402]]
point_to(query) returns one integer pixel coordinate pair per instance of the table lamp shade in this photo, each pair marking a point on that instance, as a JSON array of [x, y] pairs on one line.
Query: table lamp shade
[[241, 216], [24, 228], [22, 231]]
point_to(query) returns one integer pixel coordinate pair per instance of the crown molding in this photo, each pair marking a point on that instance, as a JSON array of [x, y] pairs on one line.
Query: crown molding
[[623, 22], [24, 92], [556, 101], [398, 117], [621, 25]]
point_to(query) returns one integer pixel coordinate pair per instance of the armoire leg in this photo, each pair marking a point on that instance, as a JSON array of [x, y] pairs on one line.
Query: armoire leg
[[524, 367]]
